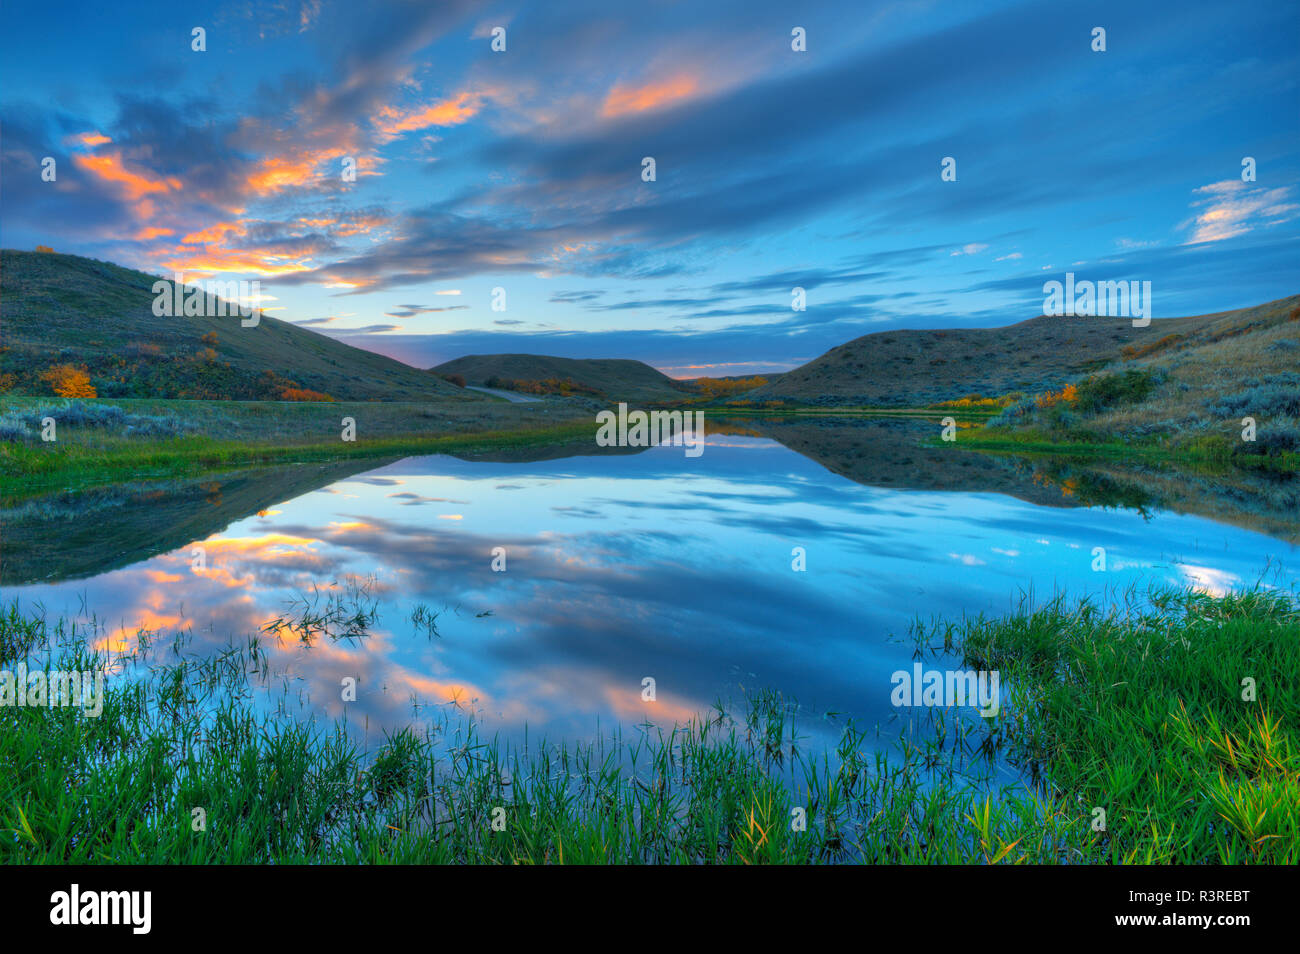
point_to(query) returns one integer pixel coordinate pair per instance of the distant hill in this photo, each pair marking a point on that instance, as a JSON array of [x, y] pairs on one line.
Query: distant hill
[[60, 312], [913, 368], [616, 378]]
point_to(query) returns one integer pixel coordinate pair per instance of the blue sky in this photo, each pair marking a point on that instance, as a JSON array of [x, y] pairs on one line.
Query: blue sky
[[521, 169]]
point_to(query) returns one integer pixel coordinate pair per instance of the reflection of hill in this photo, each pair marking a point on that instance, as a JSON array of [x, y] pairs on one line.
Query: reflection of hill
[[1262, 501], [882, 452], [887, 453], [70, 536]]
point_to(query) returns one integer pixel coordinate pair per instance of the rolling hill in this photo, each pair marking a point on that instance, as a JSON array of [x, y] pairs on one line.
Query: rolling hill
[[1195, 386], [913, 368], [614, 378], [64, 314]]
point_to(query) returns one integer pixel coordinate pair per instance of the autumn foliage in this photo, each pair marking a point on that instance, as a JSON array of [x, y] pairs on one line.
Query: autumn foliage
[[70, 382], [561, 386], [303, 394], [725, 387], [1067, 395]]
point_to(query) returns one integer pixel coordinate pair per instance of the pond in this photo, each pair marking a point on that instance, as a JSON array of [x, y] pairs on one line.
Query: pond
[[540, 596]]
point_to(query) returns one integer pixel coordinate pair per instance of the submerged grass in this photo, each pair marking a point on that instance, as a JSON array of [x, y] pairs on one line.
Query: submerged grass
[[1138, 710]]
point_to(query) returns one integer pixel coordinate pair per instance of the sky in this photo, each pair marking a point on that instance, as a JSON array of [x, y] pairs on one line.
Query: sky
[[514, 177]]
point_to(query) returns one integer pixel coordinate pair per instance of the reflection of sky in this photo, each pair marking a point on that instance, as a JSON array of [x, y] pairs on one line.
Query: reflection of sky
[[622, 567]]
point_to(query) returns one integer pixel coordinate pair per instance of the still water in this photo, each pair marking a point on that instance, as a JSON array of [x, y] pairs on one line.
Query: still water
[[540, 595]]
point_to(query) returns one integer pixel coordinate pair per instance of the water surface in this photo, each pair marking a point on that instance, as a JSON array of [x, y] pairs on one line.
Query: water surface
[[617, 568]]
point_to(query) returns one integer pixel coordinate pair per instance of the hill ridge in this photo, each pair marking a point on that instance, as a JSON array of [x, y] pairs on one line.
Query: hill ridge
[[61, 311]]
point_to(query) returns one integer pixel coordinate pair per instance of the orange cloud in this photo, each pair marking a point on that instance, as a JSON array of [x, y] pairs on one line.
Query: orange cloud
[[122, 638], [275, 173], [461, 108], [637, 99], [212, 261], [109, 167], [216, 233], [361, 225]]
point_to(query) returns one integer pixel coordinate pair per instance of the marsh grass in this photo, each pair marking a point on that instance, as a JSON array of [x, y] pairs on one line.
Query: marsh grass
[[344, 609], [1136, 709]]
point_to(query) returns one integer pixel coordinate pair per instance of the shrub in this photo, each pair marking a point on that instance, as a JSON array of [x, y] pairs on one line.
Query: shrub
[[67, 381], [1272, 439], [109, 415], [1100, 391], [147, 425], [456, 379], [1014, 415], [13, 429], [1067, 395], [303, 394], [1277, 394], [83, 415]]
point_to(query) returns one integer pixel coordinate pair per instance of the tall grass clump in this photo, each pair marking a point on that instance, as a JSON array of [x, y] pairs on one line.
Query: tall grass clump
[[1180, 719]]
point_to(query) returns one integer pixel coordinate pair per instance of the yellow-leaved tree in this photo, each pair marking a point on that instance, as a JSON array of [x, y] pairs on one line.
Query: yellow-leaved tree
[[68, 381]]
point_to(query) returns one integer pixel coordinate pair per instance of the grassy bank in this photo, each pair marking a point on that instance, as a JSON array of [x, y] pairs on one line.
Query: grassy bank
[[1137, 711], [101, 442], [738, 408], [1205, 452], [75, 466]]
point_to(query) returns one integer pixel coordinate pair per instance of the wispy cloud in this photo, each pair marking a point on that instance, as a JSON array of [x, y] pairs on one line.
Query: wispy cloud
[[1233, 207]]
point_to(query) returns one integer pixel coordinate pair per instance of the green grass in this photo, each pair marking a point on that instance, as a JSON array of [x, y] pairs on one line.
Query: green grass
[[1206, 451], [738, 409], [1147, 718], [1136, 710], [94, 447], [42, 467]]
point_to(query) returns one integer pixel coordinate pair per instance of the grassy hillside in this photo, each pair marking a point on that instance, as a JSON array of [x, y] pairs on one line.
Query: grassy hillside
[[914, 368], [614, 378], [61, 312], [1190, 388]]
